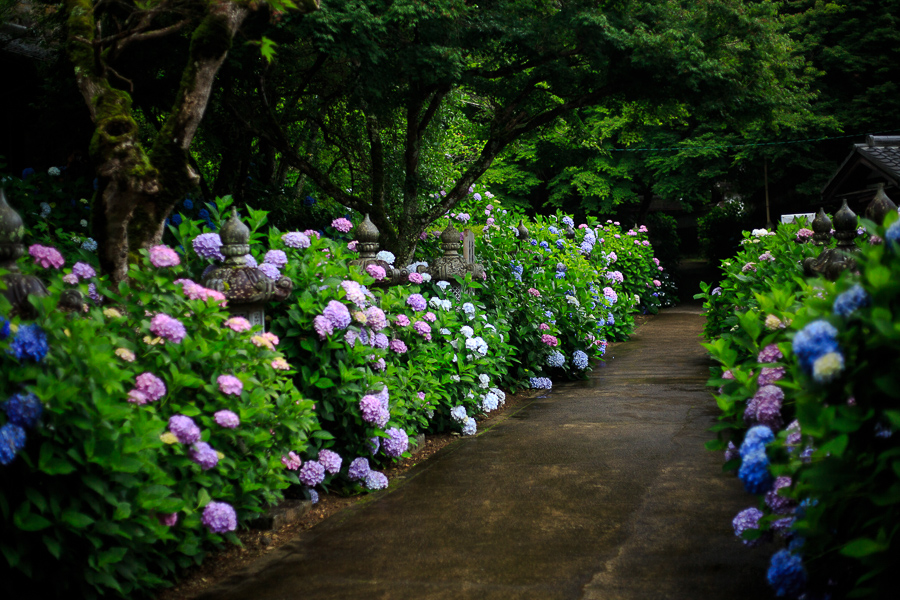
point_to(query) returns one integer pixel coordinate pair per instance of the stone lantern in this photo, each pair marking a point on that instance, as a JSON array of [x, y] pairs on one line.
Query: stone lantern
[[452, 264], [880, 206], [832, 261], [246, 288], [367, 235], [18, 286]]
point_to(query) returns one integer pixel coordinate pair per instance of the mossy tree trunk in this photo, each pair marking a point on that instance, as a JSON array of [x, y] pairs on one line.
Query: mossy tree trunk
[[139, 187]]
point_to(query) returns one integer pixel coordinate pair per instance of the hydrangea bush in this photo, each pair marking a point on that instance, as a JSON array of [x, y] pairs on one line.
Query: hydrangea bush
[[803, 367], [126, 422]]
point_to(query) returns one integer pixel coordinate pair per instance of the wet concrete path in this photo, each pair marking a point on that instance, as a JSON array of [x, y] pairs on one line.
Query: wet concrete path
[[600, 489]]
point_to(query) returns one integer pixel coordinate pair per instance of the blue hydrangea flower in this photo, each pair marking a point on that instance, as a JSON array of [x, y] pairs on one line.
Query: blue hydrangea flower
[[560, 243], [30, 342], [756, 439], [813, 341], [553, 230], [754, 473], [544, 245], [568, 222], [556, 359], [586, 247], [610, 320], [560, 275], [188, 204], [89, 244], [176, 219], [851, 301], [786, 574], [4, 328], [203, 214], [893, 233], [580, 359], [540, 383], [23, 410], [12, 439]]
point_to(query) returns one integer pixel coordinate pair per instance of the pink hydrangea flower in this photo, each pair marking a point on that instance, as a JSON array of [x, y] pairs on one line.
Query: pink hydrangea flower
[[163, 256], [166, 327], [351, 246], [402, 320], [534, 292], [227, 419], [376, 271], [430, 317], [238, 324], [70, 278], [323, 326], [229, 384], [343, 225], [291, 462], [148, 388], [46, 256], [543, 327], [657, 283], [415, 278], [169, 520], [265, 340], [281, 364], [550, 340]]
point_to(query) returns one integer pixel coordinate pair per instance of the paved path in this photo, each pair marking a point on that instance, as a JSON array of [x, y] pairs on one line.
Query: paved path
[[598, 490]]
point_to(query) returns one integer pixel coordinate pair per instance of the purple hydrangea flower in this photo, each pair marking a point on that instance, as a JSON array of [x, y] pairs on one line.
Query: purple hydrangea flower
[[778, 503], [276, 257], [745, 520], [23, 409], [374, 444], [330, 460], [295, 239], [769, 354], [227, 419], [337, 314], [381, 341], [417, 302], [323, 326], [270, 271], [731, 452], [373, 410], [398, 346], [169, 520], [359, 468], [86, 271], [208, 245], [249, 261], [769, 375], [184, 429], [166, 327], [355, 293], [312, 473], [203, 454], [376, 480], [148, 388], [46, 256], [765, 407], [376, 271], [219, 517], [396, 443], [313, 495], [375, 318]]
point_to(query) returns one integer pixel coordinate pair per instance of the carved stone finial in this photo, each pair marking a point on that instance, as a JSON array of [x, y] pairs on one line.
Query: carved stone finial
[[235, 240], [821, 227], [366, 232], [831, 262], [880, 206], [522, 231]]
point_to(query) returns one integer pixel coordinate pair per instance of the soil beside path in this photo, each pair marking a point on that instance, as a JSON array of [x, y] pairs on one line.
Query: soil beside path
[[597, 489]]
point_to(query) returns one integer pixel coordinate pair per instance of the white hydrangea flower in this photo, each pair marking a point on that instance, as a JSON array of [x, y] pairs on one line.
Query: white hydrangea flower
[[573, 300], [434, 302], [467, 331], [485, 381], [386, 256], [426, 277], [469, 426], [446, 304], [443, 284], [53, 172], [454, 378], [458, 413]]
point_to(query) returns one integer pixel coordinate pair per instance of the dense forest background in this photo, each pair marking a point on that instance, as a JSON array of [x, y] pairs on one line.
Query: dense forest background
[[397, 108]]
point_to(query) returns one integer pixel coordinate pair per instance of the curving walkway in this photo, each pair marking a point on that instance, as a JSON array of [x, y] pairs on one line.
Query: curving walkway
[[600, 489]]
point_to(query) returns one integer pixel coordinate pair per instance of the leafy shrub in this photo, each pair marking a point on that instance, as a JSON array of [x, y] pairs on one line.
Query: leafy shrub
[[720, 229]]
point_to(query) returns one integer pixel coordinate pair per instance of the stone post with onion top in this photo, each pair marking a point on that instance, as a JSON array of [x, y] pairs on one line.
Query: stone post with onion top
[[18, 285]]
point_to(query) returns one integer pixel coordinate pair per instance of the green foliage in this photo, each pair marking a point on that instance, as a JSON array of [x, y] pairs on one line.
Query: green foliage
[[720, 229], [80, 504]]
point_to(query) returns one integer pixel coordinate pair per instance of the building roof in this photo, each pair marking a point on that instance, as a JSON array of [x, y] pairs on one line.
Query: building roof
[[876, 161]]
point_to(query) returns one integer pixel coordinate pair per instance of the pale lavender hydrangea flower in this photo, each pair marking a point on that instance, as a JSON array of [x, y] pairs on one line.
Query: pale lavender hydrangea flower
[[359, 468], [417, 302], [70, 278], [330, 460], [227, 419], [208, 245], [295, 239], [312, 473], [184, 429], [164, 326], [86, 271], [229, 384], [376, 480], [396, 443], [375, 318], [270, 271], [250, 261], [219, 517], [337, 314], [381, 341], [373, 410], [398, 346], [203, 454], [323, 326], [354, 292], [276, 257]]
